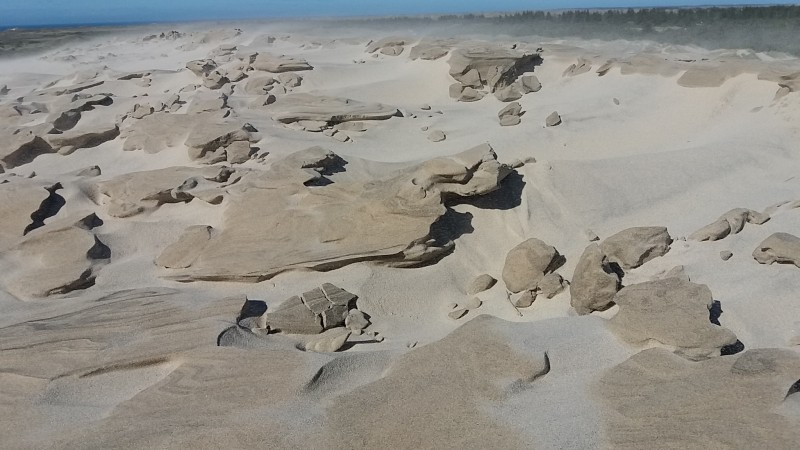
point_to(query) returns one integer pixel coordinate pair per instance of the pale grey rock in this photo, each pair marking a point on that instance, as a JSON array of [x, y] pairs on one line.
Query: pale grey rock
[[356, 320], [471, 79], [527, 263], [473, 303], [278, 64], [141, 110], [351, 126], [258, 85], [341, 137], [677, 272], [481, 283], [510, 121], [22, 148], [204, 102], [497, 67], [4, 90], [455, 90], [554, 119], [295, 107], [394, 50], [289, 79], [594, 282], [425, 107], [732, 222], [457, 313], [431, 49], [524, 299], [632, 247], [293, 317], [591, 235], [436, 136], [725, 255], [238, 152], [605, 68], [329, 341], [508, 93], [782, 248], [512, 109], [551, 285], [182, 253], [470, 95], [87, 136], [581, 67], [529, 83], [206, 138]]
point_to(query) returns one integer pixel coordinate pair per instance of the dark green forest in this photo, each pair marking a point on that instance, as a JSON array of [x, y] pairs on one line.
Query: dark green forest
[[761, 28]]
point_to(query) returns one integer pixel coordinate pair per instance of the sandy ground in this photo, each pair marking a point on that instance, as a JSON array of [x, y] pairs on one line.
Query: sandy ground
[[133, 361]]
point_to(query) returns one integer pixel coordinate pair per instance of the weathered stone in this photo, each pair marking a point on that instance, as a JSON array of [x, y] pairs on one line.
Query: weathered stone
[[278, 64], [356, 320], [508, 93], [334, 317], [182, 253], [529, 83], [481, 283], [238, 152], [524, 299], [726, 255], [328, 342], [496, 66], [594, 282], [731, 222], [316, 301], [436, 136], [529, 262], [632, 247], [782, 248], [293, 317], [553, 119], [551, 285], [339, 296]]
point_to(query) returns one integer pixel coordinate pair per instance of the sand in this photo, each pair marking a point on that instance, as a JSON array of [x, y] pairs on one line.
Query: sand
[[124, 354]]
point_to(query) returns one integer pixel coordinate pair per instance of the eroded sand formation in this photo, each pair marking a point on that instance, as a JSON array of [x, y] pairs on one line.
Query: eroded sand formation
[[262, 237]]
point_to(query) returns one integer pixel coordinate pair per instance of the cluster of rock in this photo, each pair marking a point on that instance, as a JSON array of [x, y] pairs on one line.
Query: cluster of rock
[[782, 248], [732, 222], [510, 114], [328, 311], [530, 271], [390, 46], [599, 271], [386, 220], [41, 258], [492, 69]]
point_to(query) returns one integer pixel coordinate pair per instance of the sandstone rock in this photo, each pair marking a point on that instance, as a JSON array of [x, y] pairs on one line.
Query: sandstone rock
[[289, 79], [508, 93], [294, 317], [295, 107], [25, 205], [206, 138], [529, 83], [386, 220], [455, 90], [85, 137], [782, 248], [356, 320], [551, 285], [380, 44], [524, 299], [431, 49], [732, 222], [329, 341], [207, 102], [238, 152], [436, 136], [554, 119], [277, 64], [497, 67], [512, 109], [510, 121], [581, 67], [473, 303], [57, 258], [481, 283], [726, 255], [470, 95], [182, 253], [457, 313], [258, 85], [425, 107], [22, 148], [142, 110], [527, 263], [632, 247], [594, 282], [657, 398], [677, 272], [673, 312]]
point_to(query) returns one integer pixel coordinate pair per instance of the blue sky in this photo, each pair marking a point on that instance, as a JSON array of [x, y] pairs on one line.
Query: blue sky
[[58, 12]]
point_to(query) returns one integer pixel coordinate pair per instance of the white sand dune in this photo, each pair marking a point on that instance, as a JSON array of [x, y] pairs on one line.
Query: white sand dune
[[118, 282]]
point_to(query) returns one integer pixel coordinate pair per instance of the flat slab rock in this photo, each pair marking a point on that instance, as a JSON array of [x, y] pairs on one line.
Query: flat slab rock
[[295, 107], [632, 247], [782, 248], [673, 312], [312, 312], [496, 66], [386, 220], [657, 399]]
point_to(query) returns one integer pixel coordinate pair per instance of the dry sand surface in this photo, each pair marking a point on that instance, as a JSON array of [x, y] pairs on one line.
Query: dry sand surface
[[272, 237]]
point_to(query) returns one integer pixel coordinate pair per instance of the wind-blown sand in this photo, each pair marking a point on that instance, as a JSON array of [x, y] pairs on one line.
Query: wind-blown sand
[[177, 205]]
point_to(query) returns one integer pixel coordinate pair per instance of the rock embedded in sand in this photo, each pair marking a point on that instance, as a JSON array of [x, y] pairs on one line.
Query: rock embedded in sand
[[436, 136], [594, 282], [296, 107], [277, 64], [529, 83], [386, 220], [673, 312], [509, 115], [328, 341], [481, 283], [527, 263], [632, 247], [208, 140], [22, 148], [182, 253], [83, 137], [356, 320], [657, 398], [551, 285], [387, 45], [497, 67], [581, 67], [554, 119], [782, 248], [732, 222], [725, 255], [508, 93]]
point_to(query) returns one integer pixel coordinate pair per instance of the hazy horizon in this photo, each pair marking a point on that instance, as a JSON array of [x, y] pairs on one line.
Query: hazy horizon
[[94, 12]]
